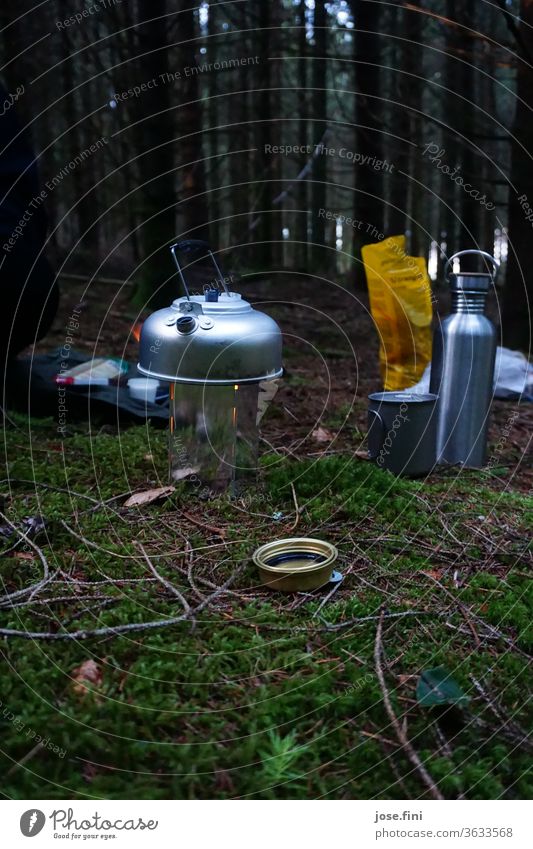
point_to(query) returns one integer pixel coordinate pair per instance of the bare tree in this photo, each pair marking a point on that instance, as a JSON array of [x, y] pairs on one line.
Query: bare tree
[[300, 225], [319, 124], [405, 196], [368, 139], [189, 143], [518, 295], [153, 136]]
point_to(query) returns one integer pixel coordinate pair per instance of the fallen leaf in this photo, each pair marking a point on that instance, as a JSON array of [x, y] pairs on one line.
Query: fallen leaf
[[89, 673], [322, 435], [148, 457], [437, 687], [24, 555], [149, 496], [362, 455]]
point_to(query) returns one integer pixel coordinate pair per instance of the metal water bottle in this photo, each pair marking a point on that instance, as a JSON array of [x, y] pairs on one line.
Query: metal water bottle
[[462, 368]]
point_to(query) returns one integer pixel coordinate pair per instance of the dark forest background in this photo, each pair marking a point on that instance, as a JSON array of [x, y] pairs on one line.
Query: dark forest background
[[188, 155]]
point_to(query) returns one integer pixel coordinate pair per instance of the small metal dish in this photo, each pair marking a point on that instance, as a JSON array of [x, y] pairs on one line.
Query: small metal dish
[[296, 564]]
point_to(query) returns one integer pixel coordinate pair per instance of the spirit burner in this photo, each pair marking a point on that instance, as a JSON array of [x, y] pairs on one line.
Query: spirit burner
[[221, 359]]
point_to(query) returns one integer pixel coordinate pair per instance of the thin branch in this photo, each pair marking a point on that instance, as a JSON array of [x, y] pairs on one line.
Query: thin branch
[[469, 614], [92, 610], [69, 492], [220, 532], [209, 584], [359, 620], [90, 544], [26, 758], [113, 631], [514, 29], [308, 167], [400, 733], [190, 577], [296, 507], [114, 582], [6, 599], [167, 584], [327, 598], [58, 600], [508, 727]]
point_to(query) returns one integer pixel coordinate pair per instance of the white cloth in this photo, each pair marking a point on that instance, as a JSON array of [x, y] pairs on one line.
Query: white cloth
[[513, 376]]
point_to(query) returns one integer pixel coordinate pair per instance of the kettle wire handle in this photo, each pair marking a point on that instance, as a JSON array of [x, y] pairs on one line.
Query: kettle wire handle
[[178, 266], [471, 251], [195, 244], [220, 275]]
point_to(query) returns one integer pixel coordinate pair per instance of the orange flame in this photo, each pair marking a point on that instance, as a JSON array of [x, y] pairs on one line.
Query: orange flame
[[136, 330]]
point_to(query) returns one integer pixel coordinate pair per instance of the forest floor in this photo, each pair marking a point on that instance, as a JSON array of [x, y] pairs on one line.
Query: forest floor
[[259, 694]]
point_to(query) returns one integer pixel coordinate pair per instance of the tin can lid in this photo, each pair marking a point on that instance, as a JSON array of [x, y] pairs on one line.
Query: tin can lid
[[295, 555]]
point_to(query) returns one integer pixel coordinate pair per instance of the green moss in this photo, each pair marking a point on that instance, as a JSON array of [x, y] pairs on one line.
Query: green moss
[[258, 699]]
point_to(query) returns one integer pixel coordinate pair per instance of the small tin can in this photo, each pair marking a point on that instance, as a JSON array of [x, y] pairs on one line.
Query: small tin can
[[296, 564]]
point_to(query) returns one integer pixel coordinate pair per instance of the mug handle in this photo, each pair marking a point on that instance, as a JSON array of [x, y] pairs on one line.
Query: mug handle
[[376, 434]]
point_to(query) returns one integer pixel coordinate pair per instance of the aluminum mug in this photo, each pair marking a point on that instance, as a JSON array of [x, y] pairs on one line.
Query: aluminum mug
[[402, 432]]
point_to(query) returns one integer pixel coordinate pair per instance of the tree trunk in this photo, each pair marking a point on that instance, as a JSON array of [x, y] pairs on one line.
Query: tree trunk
[[301, 216], [406, 196], [518, 294], [191, 178], [368, 199], [240, 115], [267, 232], [462, 78], [319, 125], [153, 139], [214, 166]]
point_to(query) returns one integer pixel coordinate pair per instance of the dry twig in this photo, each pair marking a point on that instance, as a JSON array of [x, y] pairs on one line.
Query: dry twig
[[167, 584], [219, 532], [296, 507], [468, 615], [112, 631], [327, 598], [360, 619], [400, 733], [34, 588]]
